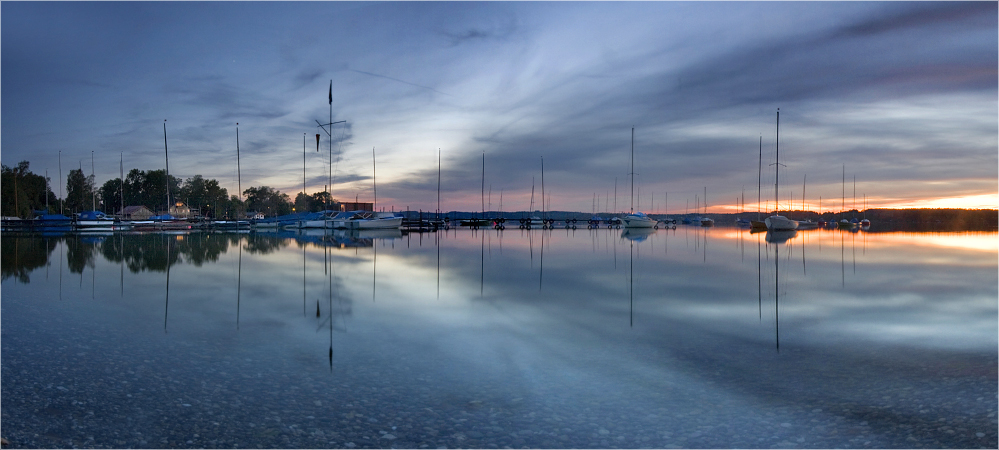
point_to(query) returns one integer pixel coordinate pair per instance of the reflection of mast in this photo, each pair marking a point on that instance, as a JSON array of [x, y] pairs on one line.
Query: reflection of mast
[[167, 306], [842, 261], [759, 275], [239, 278], [437, 240], [331, 313], [541, 273], [60, 267], [631, 279], [304, 312], [777, 295], [482, 263]]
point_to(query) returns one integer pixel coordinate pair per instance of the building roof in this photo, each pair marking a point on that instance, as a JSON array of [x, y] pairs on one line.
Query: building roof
[[134, 209]]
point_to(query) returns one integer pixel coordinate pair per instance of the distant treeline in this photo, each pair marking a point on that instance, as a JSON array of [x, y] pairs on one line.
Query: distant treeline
[[938, 219], [23, 194]]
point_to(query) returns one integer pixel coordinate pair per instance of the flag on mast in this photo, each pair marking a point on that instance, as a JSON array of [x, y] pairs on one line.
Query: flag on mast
[[317, 142], [331, 92]]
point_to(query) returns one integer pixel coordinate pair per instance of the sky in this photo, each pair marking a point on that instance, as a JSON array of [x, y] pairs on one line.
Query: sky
[[899, 96]]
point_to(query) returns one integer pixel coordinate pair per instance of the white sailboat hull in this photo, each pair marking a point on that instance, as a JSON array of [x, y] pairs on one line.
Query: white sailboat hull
[[779, 223], [376, 224]]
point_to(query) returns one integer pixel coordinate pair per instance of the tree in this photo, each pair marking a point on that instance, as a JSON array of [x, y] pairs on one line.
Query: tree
[[319, 200], [80, 191], [24, 192], [267, 200], [194, 192], [302, 202], [233, 208], [110, 196], [133, 187]]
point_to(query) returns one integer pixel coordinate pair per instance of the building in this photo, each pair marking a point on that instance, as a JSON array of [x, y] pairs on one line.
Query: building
[[135, 213], [180, 211], [254, 215], [356, 206]]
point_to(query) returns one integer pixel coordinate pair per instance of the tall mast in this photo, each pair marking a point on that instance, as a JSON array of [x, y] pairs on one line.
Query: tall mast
[[543, 188], [482, 195], [93, 192], [121, 173], [166, 155], [60, 182], [759, 182], [438, 183], [304, 140], [777, 168], [239, 177], [632, 170], [329, 198]]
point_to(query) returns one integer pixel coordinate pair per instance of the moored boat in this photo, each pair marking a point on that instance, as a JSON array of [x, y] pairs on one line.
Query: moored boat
[[369, 220]]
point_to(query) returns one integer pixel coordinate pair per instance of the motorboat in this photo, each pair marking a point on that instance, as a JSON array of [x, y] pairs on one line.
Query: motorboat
[[639, 219], [807, 224]]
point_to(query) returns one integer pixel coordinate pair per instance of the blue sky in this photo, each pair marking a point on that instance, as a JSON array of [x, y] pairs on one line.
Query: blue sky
[[903, 94]]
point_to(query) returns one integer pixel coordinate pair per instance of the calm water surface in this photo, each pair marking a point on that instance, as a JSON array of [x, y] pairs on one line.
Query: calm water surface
[[685, 338]]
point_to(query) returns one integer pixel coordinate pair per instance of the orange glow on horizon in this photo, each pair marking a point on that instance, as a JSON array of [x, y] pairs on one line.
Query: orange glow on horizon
[[984, 201]]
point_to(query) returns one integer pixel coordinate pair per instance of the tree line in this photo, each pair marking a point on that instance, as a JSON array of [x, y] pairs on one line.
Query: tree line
[[25, 194]]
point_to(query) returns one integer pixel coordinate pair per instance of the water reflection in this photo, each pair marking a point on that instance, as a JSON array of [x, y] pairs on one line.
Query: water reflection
[[550, 317]]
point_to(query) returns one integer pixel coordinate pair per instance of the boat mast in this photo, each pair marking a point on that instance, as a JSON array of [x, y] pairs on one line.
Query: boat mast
[[777, 164], [166, 154], [374, 185], [438, 183], [482, 194], [93, 192], [121, 170], [632, 170], [759, 182], [60, 183], [304, 140], [239, 183], [543, 215]]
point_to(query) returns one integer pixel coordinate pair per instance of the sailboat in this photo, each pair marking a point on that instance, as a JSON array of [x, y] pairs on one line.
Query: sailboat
[[759, 225], [367, 220], [706, 221], [93, 220], [235, 224], [865, 222], [481, 221], [636, 219], [777, 222], [807, 224], [844, 224]]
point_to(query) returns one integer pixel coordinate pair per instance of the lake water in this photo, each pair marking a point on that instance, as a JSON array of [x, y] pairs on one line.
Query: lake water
[[685, 338]]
